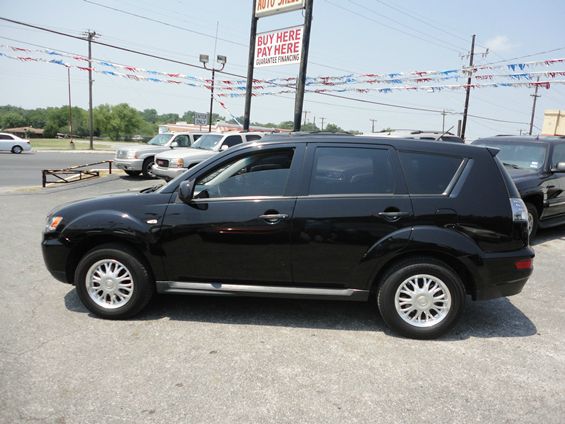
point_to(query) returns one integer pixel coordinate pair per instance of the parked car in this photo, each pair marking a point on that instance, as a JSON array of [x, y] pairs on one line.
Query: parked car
[[13, 143], [421, 135], [139, 159], [323, 217], [170, 164], [537, 166]]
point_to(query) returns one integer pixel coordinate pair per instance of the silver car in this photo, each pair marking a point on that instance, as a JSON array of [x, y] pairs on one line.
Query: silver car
[[172, 163], [137, 159], [13, 143]]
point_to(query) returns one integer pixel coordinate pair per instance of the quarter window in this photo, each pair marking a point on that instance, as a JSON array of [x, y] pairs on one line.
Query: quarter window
[[428, 173], [351, 170], [253, 137], [260, 174]]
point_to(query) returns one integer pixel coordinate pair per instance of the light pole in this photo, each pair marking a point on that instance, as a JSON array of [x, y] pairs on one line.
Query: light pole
[[204, 58]]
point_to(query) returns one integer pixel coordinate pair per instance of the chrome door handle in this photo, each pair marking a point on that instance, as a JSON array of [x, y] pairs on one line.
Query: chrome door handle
[[393, 216], [273, 218]]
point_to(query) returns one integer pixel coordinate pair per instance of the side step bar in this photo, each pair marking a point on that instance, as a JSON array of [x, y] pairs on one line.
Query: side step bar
[[179, 287]]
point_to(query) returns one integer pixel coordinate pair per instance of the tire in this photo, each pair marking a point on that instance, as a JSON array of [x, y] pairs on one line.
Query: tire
[[133, 173], [533, 220], [146, 168], [17, 150], [114, 301], [394, 295]]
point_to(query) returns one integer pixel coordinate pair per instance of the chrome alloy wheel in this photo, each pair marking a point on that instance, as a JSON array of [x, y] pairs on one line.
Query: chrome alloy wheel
[[530, 223], [109, 284], [422, 300]]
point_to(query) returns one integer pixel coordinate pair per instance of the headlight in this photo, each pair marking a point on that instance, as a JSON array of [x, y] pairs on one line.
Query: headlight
[[177, 163], [130, 154], [53, 223]]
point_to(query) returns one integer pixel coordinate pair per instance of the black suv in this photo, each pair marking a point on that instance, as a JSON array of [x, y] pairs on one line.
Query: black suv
[[414, 225], [537, 166]]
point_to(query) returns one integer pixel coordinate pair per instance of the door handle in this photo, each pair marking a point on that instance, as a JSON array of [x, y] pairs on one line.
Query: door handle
[[393, 216], [273, 218]]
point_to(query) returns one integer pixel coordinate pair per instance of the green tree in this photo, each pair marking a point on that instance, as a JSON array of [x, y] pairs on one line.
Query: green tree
[[12, 120], [333, 128], [150, 115]]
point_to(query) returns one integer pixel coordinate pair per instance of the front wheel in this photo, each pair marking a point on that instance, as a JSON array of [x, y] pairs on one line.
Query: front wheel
[[112, 282], [147, 168], [421, 298], [17, 150], [533, 220]]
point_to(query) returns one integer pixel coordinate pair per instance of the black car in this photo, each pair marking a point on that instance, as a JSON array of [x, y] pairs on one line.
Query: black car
[[415, 226], [537, 166]]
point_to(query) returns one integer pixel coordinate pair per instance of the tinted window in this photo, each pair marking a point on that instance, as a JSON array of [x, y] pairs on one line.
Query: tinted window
[[196, 136], [351, 170], [5, 137], [428, 173], [253, 137], [558, 154], [260, 174], [232, 140]]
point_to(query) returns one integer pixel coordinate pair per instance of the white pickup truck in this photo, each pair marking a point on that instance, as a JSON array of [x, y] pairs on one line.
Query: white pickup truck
[[139, 159]]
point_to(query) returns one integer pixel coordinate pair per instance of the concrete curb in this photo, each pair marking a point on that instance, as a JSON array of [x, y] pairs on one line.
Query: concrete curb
[[72, 151]]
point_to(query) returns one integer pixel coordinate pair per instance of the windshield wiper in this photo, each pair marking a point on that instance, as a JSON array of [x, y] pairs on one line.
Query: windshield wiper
[[151, 189], [511, 165]]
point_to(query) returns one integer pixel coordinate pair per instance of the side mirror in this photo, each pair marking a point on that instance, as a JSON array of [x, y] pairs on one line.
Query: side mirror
[[560, 167], [174, 144], [224, 148], [186, 191]]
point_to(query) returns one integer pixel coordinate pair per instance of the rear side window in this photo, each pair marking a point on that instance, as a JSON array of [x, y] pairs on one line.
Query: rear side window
[[5, 137], [351, 170], [428, 173], [253, 137], [232, 140]]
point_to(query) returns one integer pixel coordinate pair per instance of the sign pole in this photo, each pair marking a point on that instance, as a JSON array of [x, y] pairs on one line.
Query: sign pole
[[299, 99], [250, 68]]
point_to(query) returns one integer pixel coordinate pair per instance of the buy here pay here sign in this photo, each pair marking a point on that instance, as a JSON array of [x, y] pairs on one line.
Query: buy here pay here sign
[[279, 47]]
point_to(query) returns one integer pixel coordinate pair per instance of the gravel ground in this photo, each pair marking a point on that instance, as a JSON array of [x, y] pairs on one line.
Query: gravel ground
[[220, 360]]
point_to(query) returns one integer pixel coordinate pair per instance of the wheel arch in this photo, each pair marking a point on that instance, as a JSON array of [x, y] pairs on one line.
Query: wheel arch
[[535, 199]]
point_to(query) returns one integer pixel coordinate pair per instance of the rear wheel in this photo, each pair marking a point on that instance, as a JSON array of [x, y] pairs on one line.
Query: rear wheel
[[533, 220], [133, 173], [147, 168], [112, 282], [421, 298], [17, 150]]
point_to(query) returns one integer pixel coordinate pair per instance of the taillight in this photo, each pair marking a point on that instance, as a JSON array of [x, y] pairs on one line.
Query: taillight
[[519, 210], [524, 264]]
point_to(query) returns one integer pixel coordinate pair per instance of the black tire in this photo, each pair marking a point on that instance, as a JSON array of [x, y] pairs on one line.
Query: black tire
[[146, 168], [534, 217], [403, 271], [17, 150], [143, 286], [133, 173]]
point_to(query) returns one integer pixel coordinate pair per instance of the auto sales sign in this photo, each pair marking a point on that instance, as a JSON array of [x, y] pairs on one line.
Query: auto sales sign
[[272, 7], [279, 47]]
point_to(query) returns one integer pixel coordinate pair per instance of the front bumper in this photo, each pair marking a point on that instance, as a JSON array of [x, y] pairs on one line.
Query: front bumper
[[170, 173], [129, 164], [55, 256], [497, 275]]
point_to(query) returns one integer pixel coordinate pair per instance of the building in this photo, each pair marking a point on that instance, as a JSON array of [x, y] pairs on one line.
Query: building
[[553, 122], [25, 132]]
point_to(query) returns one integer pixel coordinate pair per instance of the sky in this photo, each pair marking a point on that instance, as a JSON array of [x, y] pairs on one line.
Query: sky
[[348, 37]]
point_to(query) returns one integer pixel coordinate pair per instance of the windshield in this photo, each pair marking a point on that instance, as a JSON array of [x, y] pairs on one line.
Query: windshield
[[520, 155], [160, 139], [207, 141]]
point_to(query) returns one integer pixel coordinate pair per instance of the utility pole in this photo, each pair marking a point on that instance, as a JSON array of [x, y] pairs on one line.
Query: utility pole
[[443, 113], [306, 112], [250, 66], [222, 60], [471, 57], [322, 119], [70, 107], [373, 125], [535, 96], [90, 36], [301, 82]]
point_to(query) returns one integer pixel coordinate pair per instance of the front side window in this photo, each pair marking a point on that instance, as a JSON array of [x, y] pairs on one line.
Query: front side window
[[351, 170], [558, 154], [232, 140], [428, 173], [259, 174], [182, 141]]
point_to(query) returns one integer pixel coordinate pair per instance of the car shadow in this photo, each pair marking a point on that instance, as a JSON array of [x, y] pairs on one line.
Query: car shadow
[[544, 236], [488, 319]]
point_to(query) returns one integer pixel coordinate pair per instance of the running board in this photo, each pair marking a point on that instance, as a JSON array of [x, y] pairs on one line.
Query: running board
[[179, 287]]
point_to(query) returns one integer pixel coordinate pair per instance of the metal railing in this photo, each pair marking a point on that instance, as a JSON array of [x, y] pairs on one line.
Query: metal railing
[[73, 173]]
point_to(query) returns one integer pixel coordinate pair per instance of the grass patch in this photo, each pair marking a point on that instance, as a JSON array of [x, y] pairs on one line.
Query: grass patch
[[64, 144]]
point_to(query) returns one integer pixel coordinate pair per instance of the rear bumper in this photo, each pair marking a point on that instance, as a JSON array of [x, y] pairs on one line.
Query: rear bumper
[[497, 275], [55, 256], [129, 164]]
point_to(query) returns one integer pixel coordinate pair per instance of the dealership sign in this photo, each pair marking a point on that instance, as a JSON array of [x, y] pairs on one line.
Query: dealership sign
[[272, 7], [279, 47]]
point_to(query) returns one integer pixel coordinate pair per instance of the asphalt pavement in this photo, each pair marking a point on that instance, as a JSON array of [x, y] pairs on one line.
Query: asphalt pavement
[[190, 359], [25, 169]]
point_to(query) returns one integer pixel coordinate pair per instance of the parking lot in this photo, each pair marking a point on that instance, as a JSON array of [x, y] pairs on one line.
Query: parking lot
[[223, 360]]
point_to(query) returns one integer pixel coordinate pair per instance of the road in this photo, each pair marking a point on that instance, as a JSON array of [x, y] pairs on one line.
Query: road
[[197, 359], [25, 169]]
